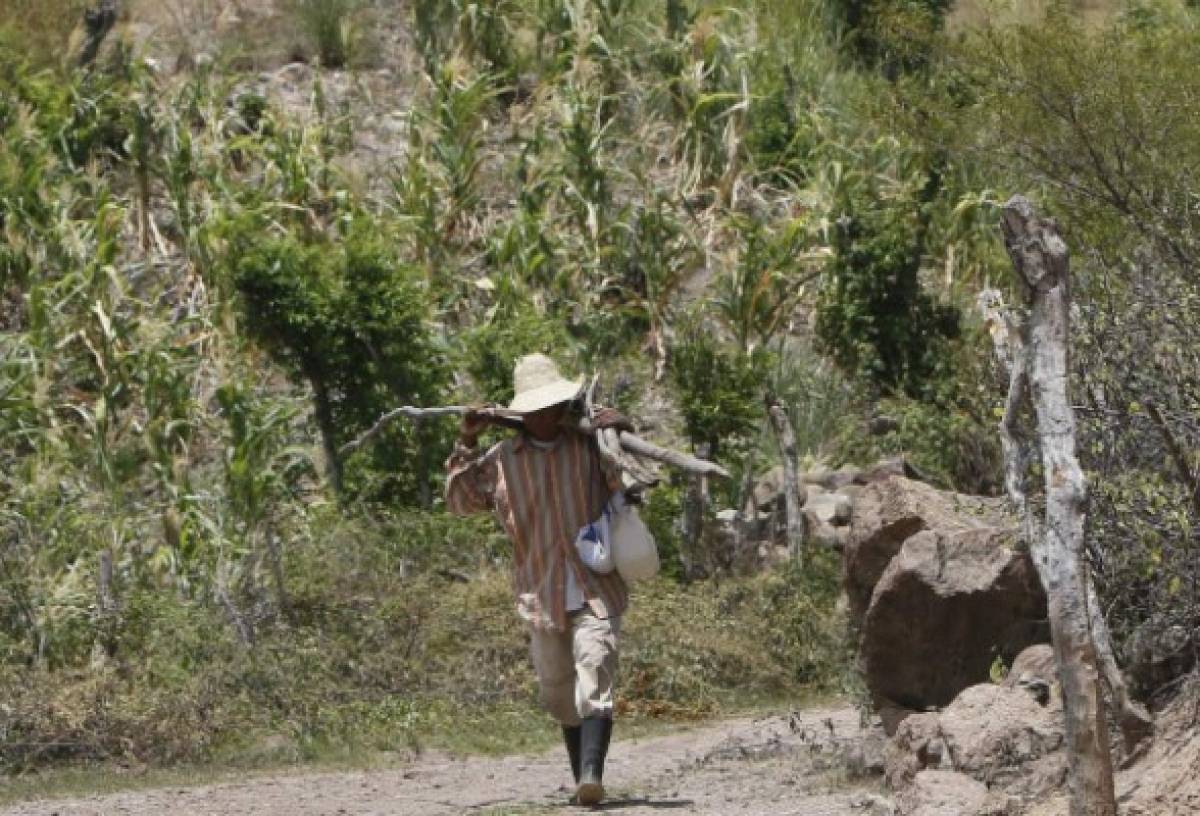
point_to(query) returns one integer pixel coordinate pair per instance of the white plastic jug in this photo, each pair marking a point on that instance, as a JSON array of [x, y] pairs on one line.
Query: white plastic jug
[[633, 548]]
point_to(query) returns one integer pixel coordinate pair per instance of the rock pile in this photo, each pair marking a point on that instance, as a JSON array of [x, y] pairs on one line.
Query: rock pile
[[939, 588], [991, 751], [826, 500], [827, 497], [942, 594]]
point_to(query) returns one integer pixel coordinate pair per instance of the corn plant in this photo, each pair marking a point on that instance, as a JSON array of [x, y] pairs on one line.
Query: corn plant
[[526, 248], [654, 256], [585, 178], [433, 28], [712, 96], [484, 33], [757, 295], [417, 202], [456, 126]]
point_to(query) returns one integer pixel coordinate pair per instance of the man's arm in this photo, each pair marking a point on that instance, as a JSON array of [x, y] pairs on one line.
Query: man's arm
[[472, 474]]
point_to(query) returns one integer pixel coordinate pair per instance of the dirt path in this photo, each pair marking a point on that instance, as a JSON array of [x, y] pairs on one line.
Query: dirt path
[[775, 765]]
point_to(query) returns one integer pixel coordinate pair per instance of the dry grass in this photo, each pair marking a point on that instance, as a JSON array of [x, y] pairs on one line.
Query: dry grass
[[42, 28], [973, 14]]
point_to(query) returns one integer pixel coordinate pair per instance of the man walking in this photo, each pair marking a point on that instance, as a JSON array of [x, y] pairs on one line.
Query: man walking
[[543, 486]]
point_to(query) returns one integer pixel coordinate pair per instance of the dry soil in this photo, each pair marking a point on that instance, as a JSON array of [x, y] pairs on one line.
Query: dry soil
[[779, 765]]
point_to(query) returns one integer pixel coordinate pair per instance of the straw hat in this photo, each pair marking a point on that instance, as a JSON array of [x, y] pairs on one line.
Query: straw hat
[[537, 385]]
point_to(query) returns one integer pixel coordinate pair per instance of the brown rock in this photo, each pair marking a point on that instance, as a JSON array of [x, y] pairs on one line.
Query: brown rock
[[916, 745], [891, 715], [945, 606], [1036, 671], [769, 489], [822, 534], [942, 793], [999, 803], [1166, 780], [1042, 778], [830, 479], [887, 512], [992, 732], [830, 508]]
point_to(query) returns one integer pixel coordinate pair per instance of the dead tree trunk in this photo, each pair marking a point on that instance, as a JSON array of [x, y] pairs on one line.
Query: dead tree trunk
[[785, 437], [1040, 259], [1133, 719]]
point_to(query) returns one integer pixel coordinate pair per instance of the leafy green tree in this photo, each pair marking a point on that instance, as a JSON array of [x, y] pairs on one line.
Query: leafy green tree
[[1081, 114], [350, 321], [515, 329]]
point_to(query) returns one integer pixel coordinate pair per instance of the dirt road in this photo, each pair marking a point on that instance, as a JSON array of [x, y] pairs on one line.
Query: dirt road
[[780, 765]]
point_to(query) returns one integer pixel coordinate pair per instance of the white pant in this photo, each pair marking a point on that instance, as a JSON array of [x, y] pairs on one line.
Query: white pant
[[577, 669]]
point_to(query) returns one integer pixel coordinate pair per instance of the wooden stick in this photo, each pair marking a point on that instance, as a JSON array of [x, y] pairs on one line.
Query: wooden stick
[[501, 416], [640, 447], [785, 437]]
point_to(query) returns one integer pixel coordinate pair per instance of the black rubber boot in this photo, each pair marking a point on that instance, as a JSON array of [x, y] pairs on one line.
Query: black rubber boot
[[571, 736], [596, 733]]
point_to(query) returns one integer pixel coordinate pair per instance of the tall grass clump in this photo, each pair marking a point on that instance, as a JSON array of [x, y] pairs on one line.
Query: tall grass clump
[[332, 27]]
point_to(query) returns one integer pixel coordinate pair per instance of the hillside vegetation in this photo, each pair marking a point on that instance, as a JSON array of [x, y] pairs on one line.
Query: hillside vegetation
[[216, 270]]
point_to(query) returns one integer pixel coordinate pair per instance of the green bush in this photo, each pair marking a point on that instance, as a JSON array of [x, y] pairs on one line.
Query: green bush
[[894, 36], [874, 317], [1112, 150], [691, 649], [946, 443], [386, 647], [40, 29], [720, 391], [492, 348]]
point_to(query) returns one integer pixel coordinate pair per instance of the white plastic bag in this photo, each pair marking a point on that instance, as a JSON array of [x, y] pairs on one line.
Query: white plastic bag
[[633, 548], [594, 540]]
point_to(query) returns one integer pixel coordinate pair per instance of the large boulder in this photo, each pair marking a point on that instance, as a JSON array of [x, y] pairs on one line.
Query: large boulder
[[889, 511], [947, 603]]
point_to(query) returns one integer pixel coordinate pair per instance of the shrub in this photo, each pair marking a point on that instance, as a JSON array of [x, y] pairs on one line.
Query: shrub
[[386, 647], [493, 348], [39, 29], [892, 35], [720, 390], [1081, 113], [874, 318], [691, 649], [948, 444], [332, 28]]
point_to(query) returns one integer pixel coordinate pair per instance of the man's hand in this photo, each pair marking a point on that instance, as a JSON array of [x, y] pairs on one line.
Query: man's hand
[[611, 418], [473, 423]]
